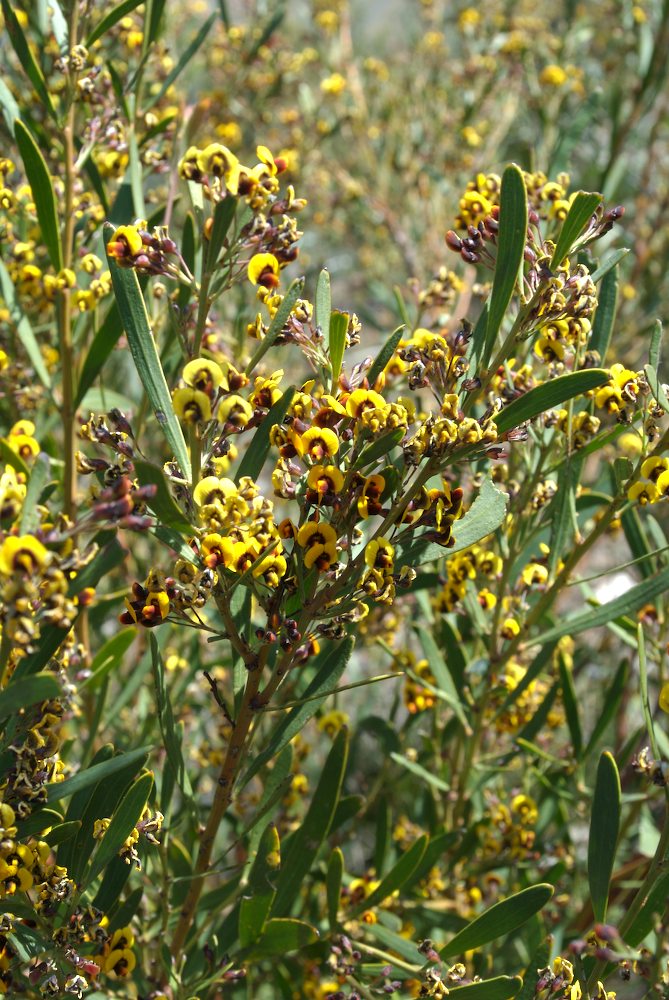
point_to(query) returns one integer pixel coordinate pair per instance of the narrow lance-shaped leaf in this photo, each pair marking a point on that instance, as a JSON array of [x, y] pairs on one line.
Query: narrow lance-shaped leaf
[[101, 347], [145, 355], [604, 829], [92, 775], [501, 919], [385, 354], [38, 479], [323, 304], [25, 56], [605, 314], [163, 503], [110, 19], [510, 252], [578, 216], [166, 719], [333, 881], [632, 600], [191, 50], [125, 818], [398, 875], [260, 891], [281, 936], [655, 345], [304, 845], [27, 691], [442, 676], [545, 397], [39, 179], [500, 988], [337, 343]]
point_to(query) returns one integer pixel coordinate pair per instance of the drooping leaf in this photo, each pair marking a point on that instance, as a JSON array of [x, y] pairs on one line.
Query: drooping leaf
[[501, 919], [258, 450], [301, 850], [604, 829], [278, 322], [544, 397], [578, 216], [315, 694], [41, 186], [511, 243], [135, 321]]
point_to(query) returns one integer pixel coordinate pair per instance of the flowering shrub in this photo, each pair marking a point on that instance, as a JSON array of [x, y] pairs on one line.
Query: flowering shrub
[[311, 682]]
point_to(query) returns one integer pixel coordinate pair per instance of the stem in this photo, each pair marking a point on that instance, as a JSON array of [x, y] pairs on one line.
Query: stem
[[202, 313]]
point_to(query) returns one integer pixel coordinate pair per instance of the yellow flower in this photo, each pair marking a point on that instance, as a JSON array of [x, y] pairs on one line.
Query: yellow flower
[[664, 698], [203, 374], [552, 76], [211, 488], [235, 410], [643, 492], [23, 554], [126, 242], [191, 405], [317, 442], [220, 162], [363, 399], [320, 541], [272, 567], [369, 502], [263, 270], [325, 479], [333, 84], [380, 554]]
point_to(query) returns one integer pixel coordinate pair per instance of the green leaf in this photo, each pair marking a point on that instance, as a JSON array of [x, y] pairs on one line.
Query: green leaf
[[501, 919], [162, 504], [10, 108], [337, 343], [62, 832], [604, 829], [183, 61], [152, 19], [102, 345], [333, 881], [643, 685], [323, 684], [27, 691], [637, 539], [570, 703], [38, 822], [380, 448], [389, 939], [306, 841], [116, 875], [171, 741], [26, 57], [132, 309], [42, 191], [538, 961], [30, 518], [652, 908], [656, 387], [396, 877], [609, 264], [281, 936], [605, 314], [443, 676], [499, 988], [550, 394], [9, 457], [627, 603], [259, 893], [126, 911], [612, 698], [563, 511], [109, 657], [655, 345], [510, 252], [224, 213], [279, 321], [323, 304], [58, 25], [24, 330], [482, 519], [421, 772], [385, 354], [125, 818], [257, 451], [578, 216], [109, 20], [92, 775]]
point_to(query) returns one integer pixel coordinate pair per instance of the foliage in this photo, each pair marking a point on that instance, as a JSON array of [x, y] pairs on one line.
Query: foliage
[[332, 659]]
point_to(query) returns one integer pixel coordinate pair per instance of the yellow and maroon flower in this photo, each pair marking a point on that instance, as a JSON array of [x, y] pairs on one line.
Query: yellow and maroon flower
[[320, 541]]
